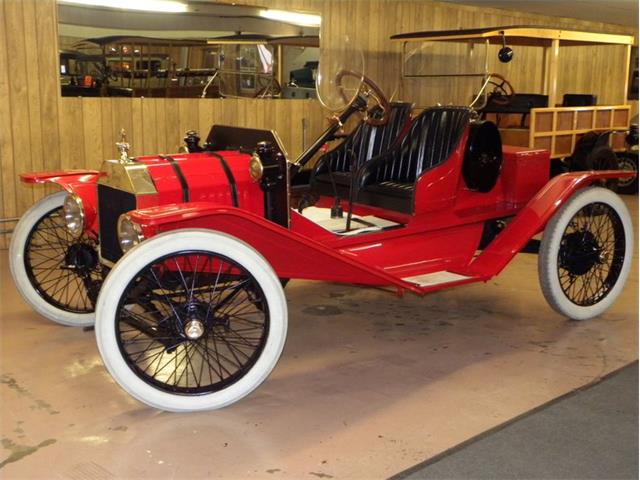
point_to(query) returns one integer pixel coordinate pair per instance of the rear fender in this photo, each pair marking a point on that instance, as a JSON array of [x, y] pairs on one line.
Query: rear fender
[[532, 219], [79, 182], [290, 254]]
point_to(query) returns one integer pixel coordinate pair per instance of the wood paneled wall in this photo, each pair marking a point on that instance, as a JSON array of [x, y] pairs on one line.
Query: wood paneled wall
[[43, 131], [157, 125], [30, 136]]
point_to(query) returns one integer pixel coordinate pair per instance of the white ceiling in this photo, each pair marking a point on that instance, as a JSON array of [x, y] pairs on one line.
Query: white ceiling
[[620, 12]]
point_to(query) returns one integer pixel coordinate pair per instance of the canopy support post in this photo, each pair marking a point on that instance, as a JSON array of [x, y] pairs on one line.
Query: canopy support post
[[551, 54], [627, 72], [280, 66]]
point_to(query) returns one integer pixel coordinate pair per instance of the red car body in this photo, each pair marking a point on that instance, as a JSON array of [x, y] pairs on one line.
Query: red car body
[[214, 190]]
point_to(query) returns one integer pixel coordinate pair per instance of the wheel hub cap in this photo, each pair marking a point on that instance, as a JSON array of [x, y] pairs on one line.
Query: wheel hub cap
[[194, 329], [581, 252]]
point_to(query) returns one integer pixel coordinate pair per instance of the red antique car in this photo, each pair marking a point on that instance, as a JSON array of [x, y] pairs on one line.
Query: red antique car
[[198, 246]]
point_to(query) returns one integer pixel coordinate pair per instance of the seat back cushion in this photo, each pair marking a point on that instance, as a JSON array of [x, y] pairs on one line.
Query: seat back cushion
[[432, 138], [579, 100], [366, 141], [520, 103]]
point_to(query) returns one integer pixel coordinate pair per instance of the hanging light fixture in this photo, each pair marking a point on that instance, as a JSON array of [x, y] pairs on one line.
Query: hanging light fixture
[[301, 19], [169, 6]]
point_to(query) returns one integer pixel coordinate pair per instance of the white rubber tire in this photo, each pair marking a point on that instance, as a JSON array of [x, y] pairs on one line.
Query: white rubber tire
[[19, 272], [550, 245], [173, 242]]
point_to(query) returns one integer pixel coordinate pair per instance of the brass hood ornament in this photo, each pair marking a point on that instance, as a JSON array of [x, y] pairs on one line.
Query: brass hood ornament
[[123, 147]]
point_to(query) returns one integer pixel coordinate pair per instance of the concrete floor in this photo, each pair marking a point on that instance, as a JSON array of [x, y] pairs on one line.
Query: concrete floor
[[368, 385]]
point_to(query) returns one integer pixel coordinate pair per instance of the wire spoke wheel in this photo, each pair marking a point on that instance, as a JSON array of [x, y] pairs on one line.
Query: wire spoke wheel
[[192, 322], [591, 254], [64, 270], [585, 253], [58, 276]]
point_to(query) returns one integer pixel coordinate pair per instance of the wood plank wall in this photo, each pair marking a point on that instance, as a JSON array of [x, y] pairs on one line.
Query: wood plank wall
[[157, 125], [30, 137], [42, 130]]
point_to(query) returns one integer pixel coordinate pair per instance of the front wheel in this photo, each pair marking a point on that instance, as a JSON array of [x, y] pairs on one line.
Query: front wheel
[[191, 320], [585, 253], [57, 274]]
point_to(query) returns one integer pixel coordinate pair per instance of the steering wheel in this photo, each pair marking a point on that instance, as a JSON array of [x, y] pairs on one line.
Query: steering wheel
[[503, 91], [368, 89]]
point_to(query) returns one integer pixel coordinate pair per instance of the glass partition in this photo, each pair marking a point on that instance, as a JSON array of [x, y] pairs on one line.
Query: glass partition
[[205, 50]]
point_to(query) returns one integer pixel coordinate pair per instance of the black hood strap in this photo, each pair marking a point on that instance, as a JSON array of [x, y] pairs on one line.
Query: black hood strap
[[230, 178], [180, 175]]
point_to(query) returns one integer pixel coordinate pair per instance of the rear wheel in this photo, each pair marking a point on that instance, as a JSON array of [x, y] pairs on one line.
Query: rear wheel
[[191, 320], [585, 254], [628, 161], [57, 274], [603, 158]]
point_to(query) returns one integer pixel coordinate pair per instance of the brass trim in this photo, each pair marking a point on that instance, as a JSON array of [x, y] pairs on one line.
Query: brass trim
[[280, 144], [76, 198], [131, 177], [256, 169], [137, 230]]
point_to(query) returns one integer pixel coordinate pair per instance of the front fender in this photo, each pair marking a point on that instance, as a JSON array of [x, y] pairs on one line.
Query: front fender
[[61, 177], [532, 219], [80, 182]]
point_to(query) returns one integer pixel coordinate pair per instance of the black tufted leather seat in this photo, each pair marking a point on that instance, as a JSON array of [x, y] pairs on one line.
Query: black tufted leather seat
[[363, 143], [388, 180]]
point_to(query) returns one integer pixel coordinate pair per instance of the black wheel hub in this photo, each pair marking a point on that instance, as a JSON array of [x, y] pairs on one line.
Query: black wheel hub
[[81, 257], [580, 252], [625, 163]]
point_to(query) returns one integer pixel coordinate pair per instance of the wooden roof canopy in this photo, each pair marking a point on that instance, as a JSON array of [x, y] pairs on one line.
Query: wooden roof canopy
[[251, 39], [137, 40], [517, 35]]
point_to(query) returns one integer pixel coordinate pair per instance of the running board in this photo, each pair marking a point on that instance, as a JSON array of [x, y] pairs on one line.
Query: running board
[[434, 279]]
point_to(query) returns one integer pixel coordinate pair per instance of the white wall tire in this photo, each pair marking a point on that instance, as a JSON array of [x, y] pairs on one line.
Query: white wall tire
[[585, 254], [74, 314], [118, 308]]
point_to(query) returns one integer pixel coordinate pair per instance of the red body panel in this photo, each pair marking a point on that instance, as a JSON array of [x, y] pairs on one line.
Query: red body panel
[[206, 179], [437, 189], [290, 254], [443, 241], [523, 173], [203, 172]]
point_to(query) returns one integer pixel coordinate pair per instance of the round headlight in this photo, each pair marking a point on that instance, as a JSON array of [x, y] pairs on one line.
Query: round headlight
[[73, 214], [256, 169], [129, 233]]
